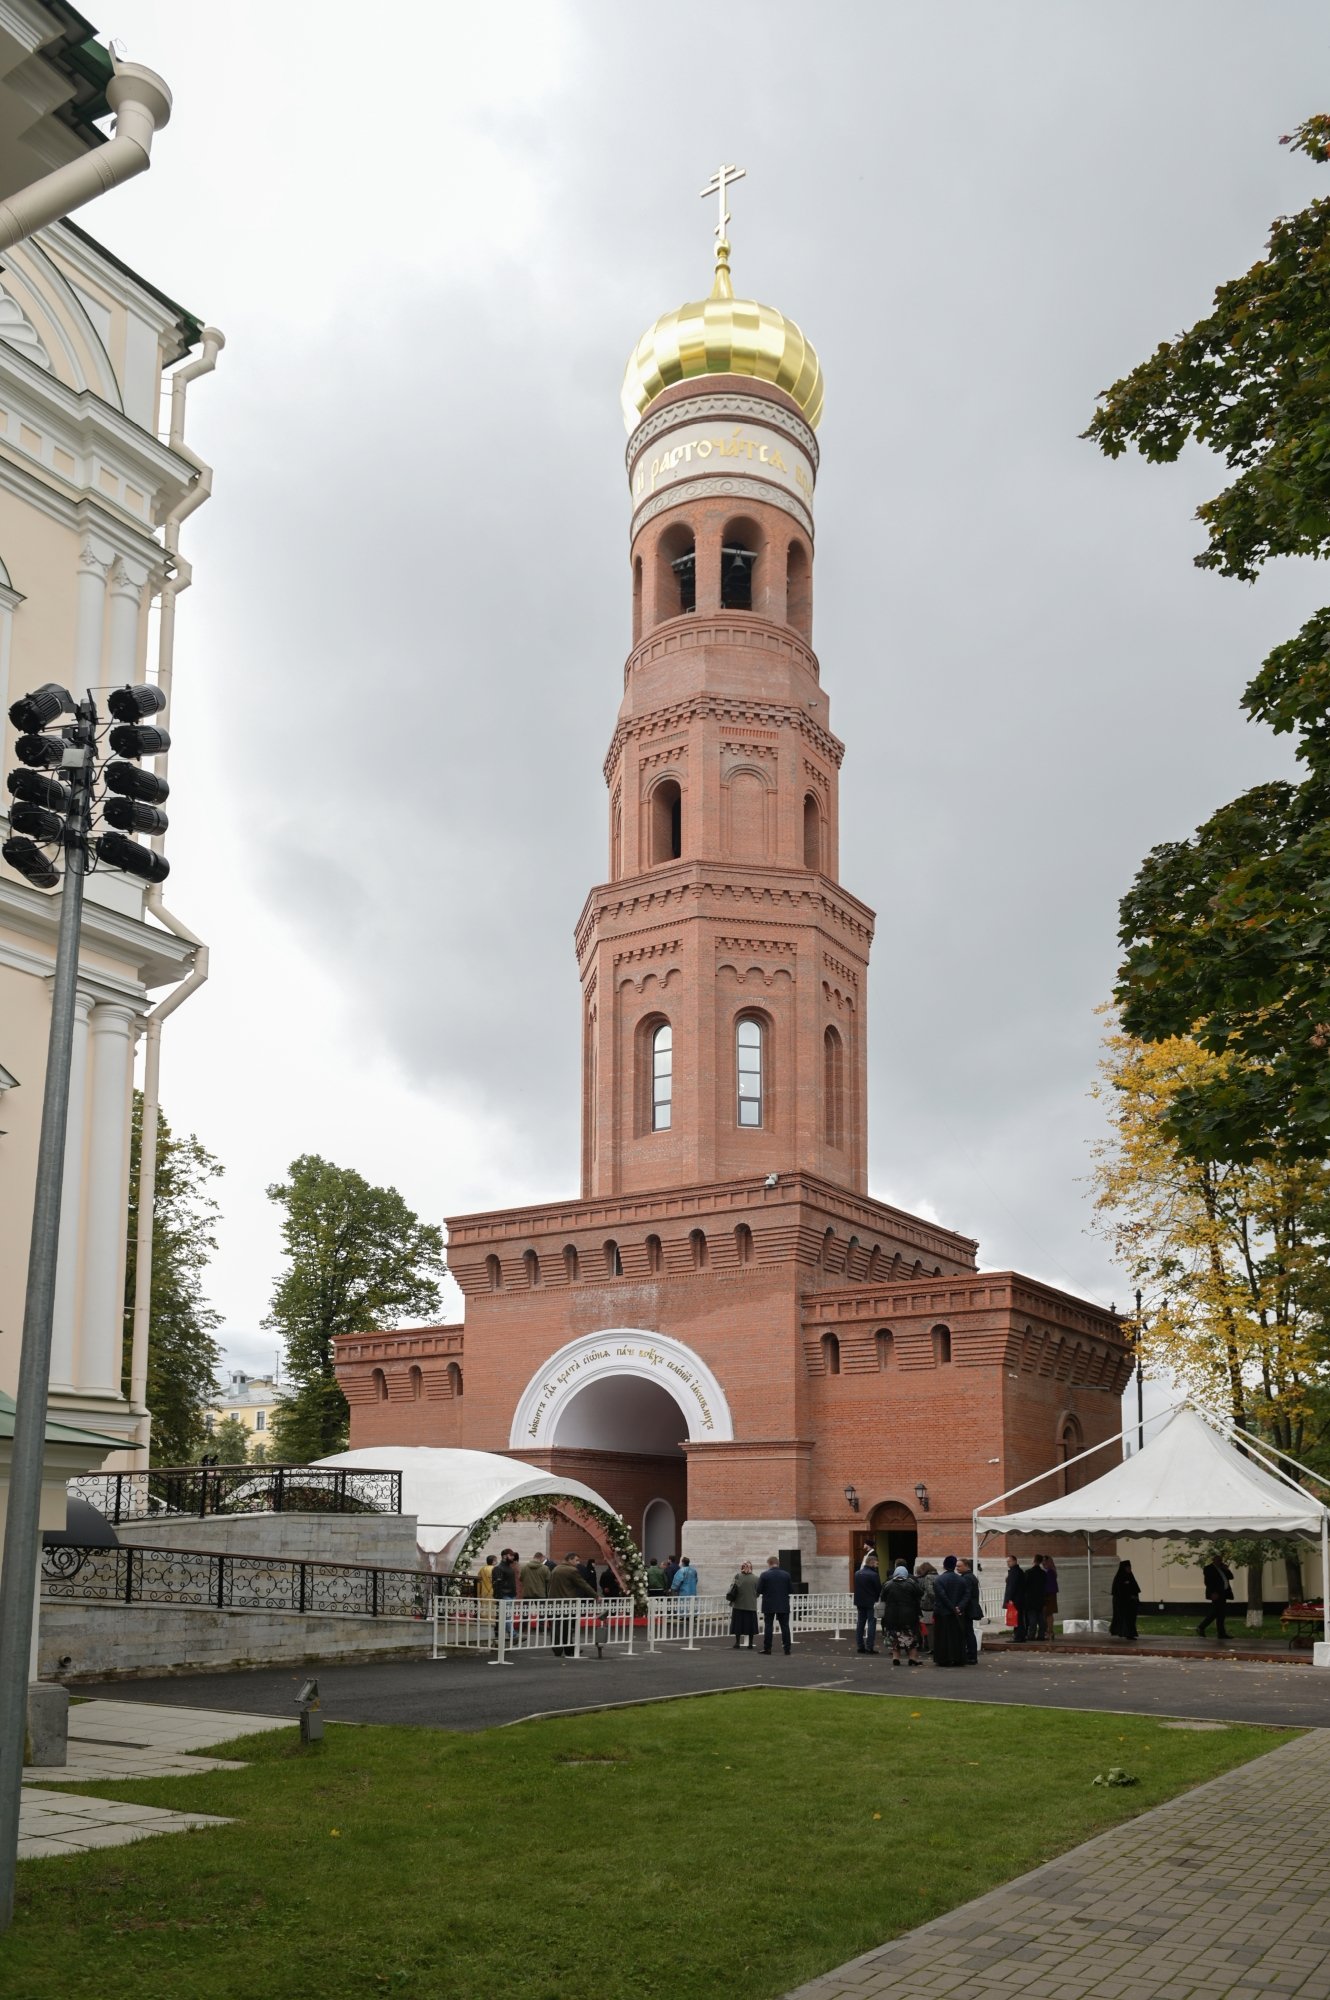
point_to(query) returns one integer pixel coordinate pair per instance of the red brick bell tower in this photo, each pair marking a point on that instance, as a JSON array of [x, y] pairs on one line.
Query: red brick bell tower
[[726, 1335]]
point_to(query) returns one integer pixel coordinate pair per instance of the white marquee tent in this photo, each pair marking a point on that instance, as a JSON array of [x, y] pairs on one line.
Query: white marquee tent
[[449, 1490], [1189, 1480]]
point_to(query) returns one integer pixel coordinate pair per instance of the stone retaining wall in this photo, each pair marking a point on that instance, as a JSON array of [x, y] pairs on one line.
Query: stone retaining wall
[[79, 1641], [387, 1541]]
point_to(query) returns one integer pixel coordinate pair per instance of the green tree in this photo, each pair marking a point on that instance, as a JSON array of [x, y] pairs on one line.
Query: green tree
[[228, 1442], [183, 1357], [358, 1258], [1226, 935]]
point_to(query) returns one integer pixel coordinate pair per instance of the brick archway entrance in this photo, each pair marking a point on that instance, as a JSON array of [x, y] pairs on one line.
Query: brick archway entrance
[[894, 1533]]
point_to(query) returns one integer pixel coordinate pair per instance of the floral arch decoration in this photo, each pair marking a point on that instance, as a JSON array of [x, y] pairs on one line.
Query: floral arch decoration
[[608, 1529]]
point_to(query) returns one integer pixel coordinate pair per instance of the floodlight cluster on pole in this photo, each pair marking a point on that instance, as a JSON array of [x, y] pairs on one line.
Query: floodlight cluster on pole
[[65, 789]]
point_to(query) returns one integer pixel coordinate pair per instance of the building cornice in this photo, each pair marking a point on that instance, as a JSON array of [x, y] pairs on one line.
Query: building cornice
[[719, 892], [160, 958], [79, 420], [981, 1293], [745, 632], [728, 709], [795, 1188]]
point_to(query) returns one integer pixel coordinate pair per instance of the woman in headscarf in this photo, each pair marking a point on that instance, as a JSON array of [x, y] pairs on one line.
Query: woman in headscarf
[[1126, 1601], [951, 1594]]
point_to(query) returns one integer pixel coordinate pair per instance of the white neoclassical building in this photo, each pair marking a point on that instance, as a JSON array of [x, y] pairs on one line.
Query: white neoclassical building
[[95, 480]]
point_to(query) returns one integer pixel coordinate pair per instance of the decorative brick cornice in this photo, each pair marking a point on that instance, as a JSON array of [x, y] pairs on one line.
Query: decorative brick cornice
[[745, 632], [724, 892], [942, 1298], [411, 1343]]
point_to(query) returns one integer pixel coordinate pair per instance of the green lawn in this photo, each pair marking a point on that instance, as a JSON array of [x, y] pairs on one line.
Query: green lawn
[[732, 1845]]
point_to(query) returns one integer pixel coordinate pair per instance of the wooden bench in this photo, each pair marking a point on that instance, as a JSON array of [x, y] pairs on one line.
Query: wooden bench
[[1302, 1621]]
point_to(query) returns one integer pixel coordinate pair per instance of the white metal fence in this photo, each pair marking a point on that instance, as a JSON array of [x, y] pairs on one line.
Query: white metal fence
[[577, 1625]]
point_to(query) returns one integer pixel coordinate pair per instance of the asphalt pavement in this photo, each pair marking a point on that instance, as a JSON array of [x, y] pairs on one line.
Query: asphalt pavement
[[465, 1692]]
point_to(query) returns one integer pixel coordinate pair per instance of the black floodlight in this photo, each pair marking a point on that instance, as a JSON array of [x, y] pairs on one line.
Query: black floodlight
[[117, 852], [131, 817], [135, 740], [41, 752], [39, 821], [131, 704], [43, 705], [29, 860], [135, 784], [39, 791]]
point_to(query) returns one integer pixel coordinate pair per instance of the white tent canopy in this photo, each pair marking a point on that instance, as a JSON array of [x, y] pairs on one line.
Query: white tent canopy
[[449, 1490], [1189, 1480]]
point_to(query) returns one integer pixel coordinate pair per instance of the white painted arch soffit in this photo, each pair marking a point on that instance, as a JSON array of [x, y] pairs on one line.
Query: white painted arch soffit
[[621, 1351]]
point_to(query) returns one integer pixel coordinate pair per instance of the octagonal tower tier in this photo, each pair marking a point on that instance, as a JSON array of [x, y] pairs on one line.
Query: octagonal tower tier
[[724, 969]]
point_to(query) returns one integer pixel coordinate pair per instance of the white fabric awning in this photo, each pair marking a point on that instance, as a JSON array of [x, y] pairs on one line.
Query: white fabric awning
[[1189, 1480], [448, 1489]]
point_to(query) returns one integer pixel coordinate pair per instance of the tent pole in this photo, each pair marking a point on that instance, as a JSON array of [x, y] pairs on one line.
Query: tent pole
[[1325, 1575], [1089, 1585]]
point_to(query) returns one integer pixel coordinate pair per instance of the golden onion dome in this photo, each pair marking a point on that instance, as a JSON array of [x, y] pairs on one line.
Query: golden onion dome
[[723, 335]]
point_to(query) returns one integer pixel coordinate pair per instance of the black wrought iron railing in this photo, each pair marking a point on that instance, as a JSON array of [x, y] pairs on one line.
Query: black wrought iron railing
[[208, 1579], [200, 1490]]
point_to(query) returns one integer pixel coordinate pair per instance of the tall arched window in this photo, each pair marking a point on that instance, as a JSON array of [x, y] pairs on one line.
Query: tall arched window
[[494, 1274], [570, 1262], [380, 1382], [666, 822], [662, 1077], [697, 1242], [454, 1379], [531, 1267], [736, 574], [833, 1087], [417, 1381], [942, 1345], [831, 1353], [749, 1053], [812, 833], [743, 1243], [675, 572], [613, 1261], [637, 599], [655, 1256], [1070, 1444], [799, 590], [884, 1342]]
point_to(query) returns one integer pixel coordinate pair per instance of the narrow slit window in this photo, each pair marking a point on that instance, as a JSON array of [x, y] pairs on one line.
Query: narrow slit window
[[662, 1077], [749, 1050]]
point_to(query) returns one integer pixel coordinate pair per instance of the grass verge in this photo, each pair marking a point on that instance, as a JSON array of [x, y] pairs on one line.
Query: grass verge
[[732, 1845]]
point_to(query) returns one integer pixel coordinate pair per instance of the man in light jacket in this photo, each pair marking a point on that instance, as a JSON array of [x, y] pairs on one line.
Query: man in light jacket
[[685, 1579]]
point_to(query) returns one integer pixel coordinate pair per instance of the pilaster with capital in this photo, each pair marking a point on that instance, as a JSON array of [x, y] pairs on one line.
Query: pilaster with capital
[[65, 1320], [95, 561], [106, 1194], [128, 582]]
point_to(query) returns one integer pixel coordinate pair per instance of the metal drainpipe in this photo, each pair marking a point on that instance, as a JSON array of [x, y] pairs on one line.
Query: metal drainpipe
[[179, 579], [142, 105]]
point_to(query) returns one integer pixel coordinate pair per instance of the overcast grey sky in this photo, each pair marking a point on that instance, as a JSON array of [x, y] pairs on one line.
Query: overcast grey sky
[[432, 242]]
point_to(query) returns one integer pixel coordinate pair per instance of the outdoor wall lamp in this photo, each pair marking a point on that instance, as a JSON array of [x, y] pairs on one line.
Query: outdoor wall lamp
[[921, 1495], [852, 1498]]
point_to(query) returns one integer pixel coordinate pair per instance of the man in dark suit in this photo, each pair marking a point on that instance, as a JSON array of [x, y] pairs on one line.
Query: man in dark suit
[[1218, 1580], [867, 1590], [972, 1611], [773, 1590]]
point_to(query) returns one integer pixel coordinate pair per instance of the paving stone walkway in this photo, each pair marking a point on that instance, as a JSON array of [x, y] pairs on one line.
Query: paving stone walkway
[[1221, 1894], [111, 1740]]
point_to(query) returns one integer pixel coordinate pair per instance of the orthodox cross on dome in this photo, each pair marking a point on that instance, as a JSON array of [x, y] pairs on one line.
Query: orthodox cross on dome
[[717, 185], [721, 287]]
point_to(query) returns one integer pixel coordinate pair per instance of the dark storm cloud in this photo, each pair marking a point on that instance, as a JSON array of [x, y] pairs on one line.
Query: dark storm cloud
[[417, 554]]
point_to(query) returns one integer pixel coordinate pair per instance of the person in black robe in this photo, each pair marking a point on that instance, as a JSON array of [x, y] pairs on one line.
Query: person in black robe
[[951, 1598], [1126, 1600]]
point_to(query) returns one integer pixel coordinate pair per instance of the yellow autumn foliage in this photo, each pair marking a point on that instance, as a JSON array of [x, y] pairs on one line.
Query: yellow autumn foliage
[[1229, 1275]]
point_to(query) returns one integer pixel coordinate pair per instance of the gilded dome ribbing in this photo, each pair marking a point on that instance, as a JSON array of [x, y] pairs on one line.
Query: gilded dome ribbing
[[723, 335]]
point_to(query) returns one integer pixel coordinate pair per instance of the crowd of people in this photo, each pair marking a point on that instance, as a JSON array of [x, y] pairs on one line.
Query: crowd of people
[[1030, 1598], [922, 1611]]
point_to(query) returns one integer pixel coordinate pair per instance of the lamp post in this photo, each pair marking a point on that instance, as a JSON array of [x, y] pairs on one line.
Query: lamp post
[[53, 811]]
